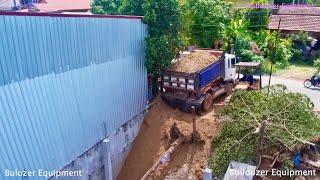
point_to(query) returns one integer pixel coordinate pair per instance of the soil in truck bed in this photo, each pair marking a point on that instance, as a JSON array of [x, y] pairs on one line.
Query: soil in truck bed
[[193, 62]]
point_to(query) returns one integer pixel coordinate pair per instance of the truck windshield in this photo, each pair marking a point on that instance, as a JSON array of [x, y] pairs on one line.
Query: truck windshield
[[233, 62]]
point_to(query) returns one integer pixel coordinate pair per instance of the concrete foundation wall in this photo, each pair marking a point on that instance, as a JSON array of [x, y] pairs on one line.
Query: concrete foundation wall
[[121, 143], [95, 164]]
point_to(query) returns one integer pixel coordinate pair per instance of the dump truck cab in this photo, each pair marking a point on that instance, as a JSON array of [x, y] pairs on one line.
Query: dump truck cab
[[187, 89], [229, 67]]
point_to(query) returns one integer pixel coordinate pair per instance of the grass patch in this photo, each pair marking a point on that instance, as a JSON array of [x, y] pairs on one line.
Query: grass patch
[[298, 71]]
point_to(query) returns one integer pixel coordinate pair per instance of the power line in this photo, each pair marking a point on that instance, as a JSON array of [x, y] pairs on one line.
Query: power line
[[214, 25]]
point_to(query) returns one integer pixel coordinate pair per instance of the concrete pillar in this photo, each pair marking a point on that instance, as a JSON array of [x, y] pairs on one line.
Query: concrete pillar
[[207, 174], [107, 159]]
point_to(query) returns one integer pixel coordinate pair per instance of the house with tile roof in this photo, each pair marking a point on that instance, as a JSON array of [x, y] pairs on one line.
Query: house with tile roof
[[296, 19], [48, 6], [63, 6]]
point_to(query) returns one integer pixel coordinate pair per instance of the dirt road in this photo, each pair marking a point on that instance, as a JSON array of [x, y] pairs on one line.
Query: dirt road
[[187, 161]]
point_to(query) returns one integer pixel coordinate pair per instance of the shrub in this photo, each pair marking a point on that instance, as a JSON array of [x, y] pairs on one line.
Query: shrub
[[297, 55], [317, 64], [301, 37]]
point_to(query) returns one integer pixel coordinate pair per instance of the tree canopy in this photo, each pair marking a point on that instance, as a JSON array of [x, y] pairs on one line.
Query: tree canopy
[[106, 6], [163, 42], [207, 20], [132, 7], [257, 17], [289, 119]]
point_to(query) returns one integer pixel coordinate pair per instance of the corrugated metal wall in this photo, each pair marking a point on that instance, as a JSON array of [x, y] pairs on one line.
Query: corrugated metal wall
[[65, 83]]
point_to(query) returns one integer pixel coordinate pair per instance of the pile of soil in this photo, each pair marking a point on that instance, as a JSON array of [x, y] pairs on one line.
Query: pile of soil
[[193, 62], [189, 159]]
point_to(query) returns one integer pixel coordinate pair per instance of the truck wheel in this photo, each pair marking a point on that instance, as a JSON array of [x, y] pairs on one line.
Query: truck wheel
[[207, 102]]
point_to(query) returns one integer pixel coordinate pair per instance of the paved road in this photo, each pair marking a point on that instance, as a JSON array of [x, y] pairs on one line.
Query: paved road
[[295, 86]]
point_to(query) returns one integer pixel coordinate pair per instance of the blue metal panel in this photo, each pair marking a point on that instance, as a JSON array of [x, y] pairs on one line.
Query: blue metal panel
[[210, 73], [66, 83]]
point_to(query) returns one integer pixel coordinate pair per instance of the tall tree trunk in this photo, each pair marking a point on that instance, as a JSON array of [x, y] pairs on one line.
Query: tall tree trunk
[[270, 78], [262, 133]]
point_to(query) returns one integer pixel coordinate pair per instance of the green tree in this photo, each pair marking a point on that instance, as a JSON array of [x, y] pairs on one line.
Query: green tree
[[235, 29], [163, 42], [283, 115], [186, 20], [314, 2], [106, 6], [278, 51], [160, 51], [132, 7], [162, 17], [209, 19], [257, 17], [242, 44]]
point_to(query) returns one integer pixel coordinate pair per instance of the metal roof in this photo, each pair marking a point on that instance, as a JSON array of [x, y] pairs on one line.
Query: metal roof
[[84, 15], [248, 64], [63, 5]]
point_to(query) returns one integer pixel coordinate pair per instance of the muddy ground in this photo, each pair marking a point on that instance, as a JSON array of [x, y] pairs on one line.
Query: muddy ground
[[187, 162]]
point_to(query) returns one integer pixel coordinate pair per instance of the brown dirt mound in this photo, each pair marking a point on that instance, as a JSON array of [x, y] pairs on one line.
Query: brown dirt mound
[[152, 141], [191, 63]]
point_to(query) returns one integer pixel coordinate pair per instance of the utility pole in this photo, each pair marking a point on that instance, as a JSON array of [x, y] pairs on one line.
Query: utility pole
[[273, 55]]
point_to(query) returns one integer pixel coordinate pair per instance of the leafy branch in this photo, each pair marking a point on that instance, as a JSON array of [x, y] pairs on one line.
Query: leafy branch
[[282, 120]]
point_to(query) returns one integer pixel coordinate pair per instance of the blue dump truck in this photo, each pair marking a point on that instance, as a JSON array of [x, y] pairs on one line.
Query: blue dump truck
[[197, 78]]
